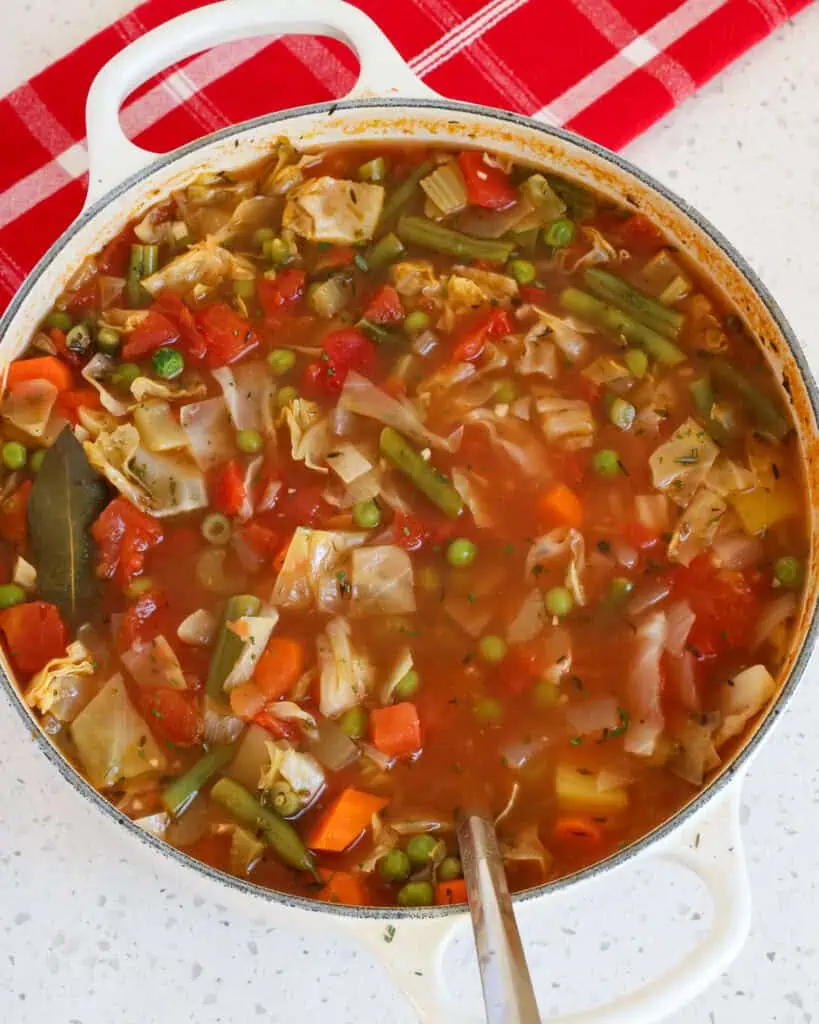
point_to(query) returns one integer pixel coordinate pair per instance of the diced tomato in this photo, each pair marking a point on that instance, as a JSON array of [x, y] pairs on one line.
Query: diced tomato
[[276, 726], [154, 331], [286, 288], [385, 306], [344, 350], [301, 508], [486, 185], [535, 296], [639, 230], [472, 341], [137, 622], [228, 336], [726, 605], [113, 260], [14, 514], [262, 540], [334, 258], [34, 634], [124, 534], [63, 351], [412, 532], [70, 402], [521, 667], [83, 298], [174, 715], [171, 306], [229, 489], [639, 536]]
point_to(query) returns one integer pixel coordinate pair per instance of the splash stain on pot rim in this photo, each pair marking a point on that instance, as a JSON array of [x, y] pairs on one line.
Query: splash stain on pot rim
[[449, 122]]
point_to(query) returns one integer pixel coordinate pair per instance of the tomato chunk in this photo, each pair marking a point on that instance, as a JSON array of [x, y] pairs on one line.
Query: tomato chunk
[[14, 514], [385, 306], [486, 185], [472, 341], [124, 534], [344, 351], [139, 621], [286, 288], [173, 715], [192, 340], [34, 633], [229, 489], [228, 336], [154, 331]]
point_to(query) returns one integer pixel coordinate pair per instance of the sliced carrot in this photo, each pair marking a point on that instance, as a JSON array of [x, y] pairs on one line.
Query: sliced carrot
[[447, 893], [347, 817], [280, 667], [396, 730], [577, 830], [247, 700], [343, 887], [48, 368], [561, 506]]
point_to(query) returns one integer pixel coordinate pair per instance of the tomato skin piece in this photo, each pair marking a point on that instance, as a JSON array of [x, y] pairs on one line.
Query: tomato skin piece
[[34, 633], [285, 289], [228, 336], [229, 489], [471, 342], [137, 621], [412, 533], [639, 536], [152, 333], [192, 340], [14, 514], [344, 350], [384, 307], [173, 715], [124, 534], [276, 726], [486, 185]]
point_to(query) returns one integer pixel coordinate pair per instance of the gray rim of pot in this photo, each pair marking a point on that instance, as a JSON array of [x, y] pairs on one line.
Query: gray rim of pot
[[73, 776]]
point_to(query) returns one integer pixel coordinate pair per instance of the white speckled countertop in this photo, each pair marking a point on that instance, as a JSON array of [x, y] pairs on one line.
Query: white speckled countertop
[[93, 930]]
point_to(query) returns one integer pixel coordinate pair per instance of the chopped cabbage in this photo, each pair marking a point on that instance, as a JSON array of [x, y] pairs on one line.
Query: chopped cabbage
[[61, 687], [248, 389], [156, 824], [158, 428], [254, 631], [645, 684], [153, 664], [310, 435], [741, 698], [382, 582], [250, 214], [210, 435], [557, 544], [473, 491], [301, 772], [566, 420], [290, 711], [697, 526], [530, 619], [694, 753], [565, 332], [345, 674], [526, 846], [348, 462], [516, 439], [682, 463], [28, 406], [403, 664], [189, 385], [204, 266], [111, 739], [98, 372], [415, 277], [310, 565], [334, 210]]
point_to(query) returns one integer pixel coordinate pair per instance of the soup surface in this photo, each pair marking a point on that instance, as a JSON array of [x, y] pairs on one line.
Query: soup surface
[[369, 484]]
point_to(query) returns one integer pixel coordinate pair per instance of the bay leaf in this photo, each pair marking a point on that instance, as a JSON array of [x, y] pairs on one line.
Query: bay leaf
[[67, 497]]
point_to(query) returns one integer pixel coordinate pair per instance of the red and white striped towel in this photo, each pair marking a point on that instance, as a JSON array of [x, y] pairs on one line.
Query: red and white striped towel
[[604, 68]]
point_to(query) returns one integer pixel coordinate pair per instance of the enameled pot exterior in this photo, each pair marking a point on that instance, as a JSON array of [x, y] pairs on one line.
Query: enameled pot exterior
[[125, 180]]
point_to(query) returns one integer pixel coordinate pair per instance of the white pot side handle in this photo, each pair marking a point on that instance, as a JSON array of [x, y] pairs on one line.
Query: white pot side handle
[[112, 157], [709, 845]]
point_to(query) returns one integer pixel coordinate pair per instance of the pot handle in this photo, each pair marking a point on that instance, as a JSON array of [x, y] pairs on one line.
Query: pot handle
[[113, 157], [709, 845]]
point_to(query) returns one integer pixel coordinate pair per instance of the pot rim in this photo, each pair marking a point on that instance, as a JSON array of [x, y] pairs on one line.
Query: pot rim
[[666, 828]]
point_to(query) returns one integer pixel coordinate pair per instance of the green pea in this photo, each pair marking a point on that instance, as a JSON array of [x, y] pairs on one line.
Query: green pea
[[125, 375], [407, 686], [244, 287], [637, 362], [460, 553], [14, 455], [167, 363], [416, 894], [366, 515], [394, 866], [278, 252], [416, 321], [59, 319], [523, 271], [36, 460], [545, 694], [606, 462], [11, 594], [787, 570], [136, 588], [622, 413], [560, 233], [216, 529], [449, 869], [108, 340], [488, 711], [249, 441], [421, 849], [281, 361], [505, 391], [619, 590], [492, 648], [354, 722], [559, 601], [262, 235], [284, 396]]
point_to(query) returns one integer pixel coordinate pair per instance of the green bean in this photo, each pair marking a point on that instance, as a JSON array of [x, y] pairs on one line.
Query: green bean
[[216, 529], [523, 271], [380, 335], [427, 479], [643, 308], [426, 233], [228, 644], [244, 287], [587, 308], [181, 792], [403, 193], [150, 259], [285, 799], [279, 834], [581, 204], [764, 410], [559, 233], [108, 340], [702, 395], [143, 262], [622, 413], [386, 250], [78, 339]]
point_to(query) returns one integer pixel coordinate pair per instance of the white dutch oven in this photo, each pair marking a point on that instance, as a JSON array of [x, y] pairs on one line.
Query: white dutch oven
[[390, 103]]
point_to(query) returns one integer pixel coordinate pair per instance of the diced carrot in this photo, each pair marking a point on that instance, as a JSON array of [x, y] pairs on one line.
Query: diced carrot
[[447, 893], [561, 506], [343, 887], [48, 368], [280, 667], [247, 700], [577, 830], [396, 730], [347, 817]]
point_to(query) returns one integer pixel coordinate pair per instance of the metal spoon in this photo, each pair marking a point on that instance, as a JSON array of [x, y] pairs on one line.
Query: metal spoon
[[507, 987]]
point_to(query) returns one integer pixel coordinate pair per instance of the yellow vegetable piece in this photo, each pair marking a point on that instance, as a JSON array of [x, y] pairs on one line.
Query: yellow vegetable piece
[[763, 507], [577, 791]]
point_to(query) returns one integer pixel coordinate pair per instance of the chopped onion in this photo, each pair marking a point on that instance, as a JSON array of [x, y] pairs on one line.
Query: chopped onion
[[736, 550], [111, 288], [197, 629], [342, 422], [645, 685], [653, 511], [587, 716], [375, 755], [220, 727], [332, 746], [680, 620], [647, 596], [682, 680], [772, 616], [624, 554], [191, 825], [425, 343]]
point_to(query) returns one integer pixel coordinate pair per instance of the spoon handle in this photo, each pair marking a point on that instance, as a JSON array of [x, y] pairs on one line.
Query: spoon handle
[[507, 986]]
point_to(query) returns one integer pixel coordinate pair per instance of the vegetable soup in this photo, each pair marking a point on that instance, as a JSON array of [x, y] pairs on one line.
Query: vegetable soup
[[369, 484]]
